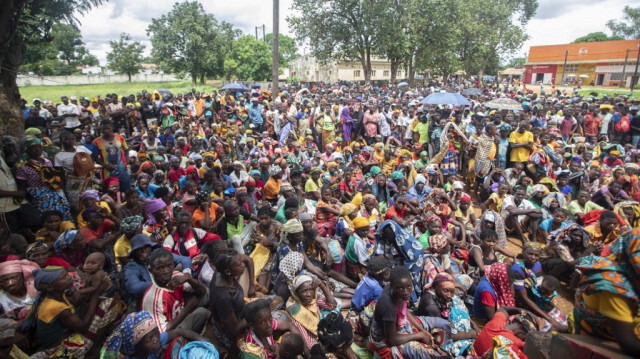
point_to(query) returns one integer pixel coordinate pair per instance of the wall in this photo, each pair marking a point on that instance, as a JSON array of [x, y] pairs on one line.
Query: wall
[[91, 79], [531, 71]]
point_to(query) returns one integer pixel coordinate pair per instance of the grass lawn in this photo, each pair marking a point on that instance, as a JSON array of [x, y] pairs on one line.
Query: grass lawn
[[53, 93], [611, 92]]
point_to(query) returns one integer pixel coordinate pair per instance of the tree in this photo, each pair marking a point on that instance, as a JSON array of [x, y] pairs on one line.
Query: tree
[[249, 60], [629, 27], [190, 40], [491, 29], [27, 23], [337, 29], [125, 56], [67, 40], [286, 45], [596, 37], [516, 62]]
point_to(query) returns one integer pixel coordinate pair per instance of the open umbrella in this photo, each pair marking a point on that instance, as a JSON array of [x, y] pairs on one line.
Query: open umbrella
[[472, 91], [446, 98], [584, 76], [235, 87], [164, 92], [504, 104], [403, 84], [255, 86]]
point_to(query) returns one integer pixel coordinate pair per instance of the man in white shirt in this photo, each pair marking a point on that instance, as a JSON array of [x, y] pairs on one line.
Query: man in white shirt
[[69, 113], [519, 213]]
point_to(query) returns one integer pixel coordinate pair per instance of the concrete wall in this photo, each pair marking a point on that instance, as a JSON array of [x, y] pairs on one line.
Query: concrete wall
[[91, 79]]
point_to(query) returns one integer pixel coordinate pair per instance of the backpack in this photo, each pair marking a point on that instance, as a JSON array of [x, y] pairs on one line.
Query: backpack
[[623, 125]]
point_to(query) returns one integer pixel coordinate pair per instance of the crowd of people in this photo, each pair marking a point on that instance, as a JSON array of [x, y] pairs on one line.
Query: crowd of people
[[327, 221]]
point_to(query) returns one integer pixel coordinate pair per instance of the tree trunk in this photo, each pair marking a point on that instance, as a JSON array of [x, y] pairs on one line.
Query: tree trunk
[[202, 79], [367, 67], [11, 120], [445, 76], [129, 74], [394, 69], [411, 74], [194, 79]]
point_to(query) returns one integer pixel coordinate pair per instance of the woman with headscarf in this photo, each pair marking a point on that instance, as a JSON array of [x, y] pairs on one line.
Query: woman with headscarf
[[551, 202], [38, 177], [399, 246], [348, 124], [607, 294], [138, 337], [70, 250], [327, 213], [447, 157], [543, 158], [291, 258], [441, 300], [564, 249], [18, 291], [306, 307], [344, 225], [630, 213], [493, 292]]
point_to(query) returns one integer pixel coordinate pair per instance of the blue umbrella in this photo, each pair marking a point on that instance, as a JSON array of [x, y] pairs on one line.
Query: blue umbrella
[[255, 86], [235, 87], [446, 98], [403, 84]]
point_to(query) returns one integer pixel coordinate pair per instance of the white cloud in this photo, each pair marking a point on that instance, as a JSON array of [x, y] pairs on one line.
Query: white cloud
[[557, 21]]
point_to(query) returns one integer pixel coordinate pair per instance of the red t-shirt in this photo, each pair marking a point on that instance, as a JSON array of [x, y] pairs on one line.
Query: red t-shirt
[[494, 327], [88, 234], [174, 175], [393, 211]]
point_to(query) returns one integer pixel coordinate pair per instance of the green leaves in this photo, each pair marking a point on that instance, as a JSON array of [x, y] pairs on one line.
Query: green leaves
[[629, 27], [190, 40], [249, 60], [126, 55]]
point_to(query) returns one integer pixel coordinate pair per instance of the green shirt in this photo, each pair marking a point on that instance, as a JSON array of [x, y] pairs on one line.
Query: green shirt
[[423, 130], [235, 230]]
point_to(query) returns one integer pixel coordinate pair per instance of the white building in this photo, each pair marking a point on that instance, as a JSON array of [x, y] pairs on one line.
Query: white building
[[308, 69]]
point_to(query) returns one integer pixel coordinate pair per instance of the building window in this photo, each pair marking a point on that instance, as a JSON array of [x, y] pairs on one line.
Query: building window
[[571, 68], [356, 73], [385, 73], [616, 76], [373, 73]]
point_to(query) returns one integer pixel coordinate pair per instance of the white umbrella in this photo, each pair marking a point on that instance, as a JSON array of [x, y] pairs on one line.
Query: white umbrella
[[584, 76], [571, 75]]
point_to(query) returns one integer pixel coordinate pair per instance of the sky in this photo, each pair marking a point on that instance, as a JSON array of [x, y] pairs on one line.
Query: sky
[[555, 22]]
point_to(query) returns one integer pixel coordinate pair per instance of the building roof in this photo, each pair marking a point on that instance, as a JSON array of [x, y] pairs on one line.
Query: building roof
[[584, 52], [513, 71]]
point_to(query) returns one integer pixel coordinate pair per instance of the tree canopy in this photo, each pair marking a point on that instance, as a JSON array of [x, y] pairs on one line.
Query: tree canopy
[[188, 40], [596, 37], [249, 60], [125, 55], [629, 26], [287, 48]]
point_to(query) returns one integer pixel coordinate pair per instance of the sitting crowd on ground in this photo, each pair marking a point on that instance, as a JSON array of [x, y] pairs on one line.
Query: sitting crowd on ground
[[328, 221]]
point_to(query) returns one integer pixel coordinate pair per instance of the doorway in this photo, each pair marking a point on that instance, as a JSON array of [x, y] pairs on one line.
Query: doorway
[[600, 79]]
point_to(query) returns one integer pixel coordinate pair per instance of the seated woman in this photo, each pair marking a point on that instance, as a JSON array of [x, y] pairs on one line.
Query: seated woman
[[264, 242], [395, 332], [88, 200], [494, 291], [442, 301], [607, 294], [500, 332], [359, 249], [493, 221], [306, 308], [630, 213], [335, 336], [564, 249], [344, 225], [113, 197], [18, 292], [402, 249], [138, 337], [532, 292], [134, 206], [54, 317], [52, 226], [70, 251], [258, 342], [487, 253], [557, 221]]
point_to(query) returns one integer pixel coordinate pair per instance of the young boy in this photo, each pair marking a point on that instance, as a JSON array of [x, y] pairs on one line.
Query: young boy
[[370, 287]]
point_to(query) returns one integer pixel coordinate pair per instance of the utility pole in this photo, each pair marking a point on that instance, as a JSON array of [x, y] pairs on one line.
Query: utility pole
[[264, 39], [256, 28], [624, 68], [634, 79], [566, 54], [276, 43]]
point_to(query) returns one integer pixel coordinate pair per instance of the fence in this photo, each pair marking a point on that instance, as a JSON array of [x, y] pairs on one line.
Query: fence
[[92, 79]]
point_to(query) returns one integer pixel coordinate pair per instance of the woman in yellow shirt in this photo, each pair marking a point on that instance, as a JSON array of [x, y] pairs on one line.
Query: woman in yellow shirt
[[607, 294]]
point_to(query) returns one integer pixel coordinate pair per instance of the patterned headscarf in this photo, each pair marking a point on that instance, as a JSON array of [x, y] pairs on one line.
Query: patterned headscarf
[[39, 244], [90, 193], [203, 196], [291, 226], [65, 239], [308, 316], [528, 322], [130, 225], [134, 327], [497, 276], [437, 242], [499, 226], [274, 170]]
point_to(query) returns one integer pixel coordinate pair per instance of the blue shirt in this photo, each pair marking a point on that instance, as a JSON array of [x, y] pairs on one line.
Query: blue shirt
[[537, 122], [478, 307], [520, 274], [367, 290], [413, 193], [164, 140], [151, 190], [255, 114], [137, 278], [546, 225]]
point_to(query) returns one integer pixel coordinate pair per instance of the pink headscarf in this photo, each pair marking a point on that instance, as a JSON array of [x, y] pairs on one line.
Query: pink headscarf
[[26, 268]]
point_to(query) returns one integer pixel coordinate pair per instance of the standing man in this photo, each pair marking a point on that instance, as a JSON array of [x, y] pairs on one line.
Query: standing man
[[69, 114], [255, 115]]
